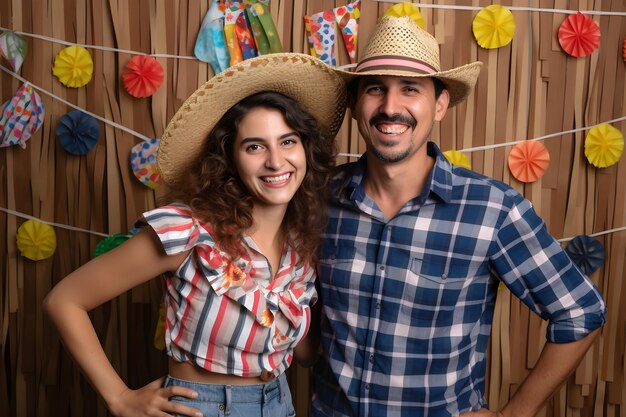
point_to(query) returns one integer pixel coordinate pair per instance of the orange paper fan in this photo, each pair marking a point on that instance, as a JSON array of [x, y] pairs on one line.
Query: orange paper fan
[[579, 35], [143, 76], [528, 161]]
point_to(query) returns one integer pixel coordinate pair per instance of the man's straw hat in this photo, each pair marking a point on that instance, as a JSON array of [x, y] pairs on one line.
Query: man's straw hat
[[400, 47], [314, 85]]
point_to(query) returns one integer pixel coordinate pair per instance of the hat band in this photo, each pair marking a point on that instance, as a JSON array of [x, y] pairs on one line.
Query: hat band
[[395, 63]]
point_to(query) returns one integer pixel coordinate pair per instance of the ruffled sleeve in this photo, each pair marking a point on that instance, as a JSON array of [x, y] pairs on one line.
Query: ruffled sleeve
[[175, 226]]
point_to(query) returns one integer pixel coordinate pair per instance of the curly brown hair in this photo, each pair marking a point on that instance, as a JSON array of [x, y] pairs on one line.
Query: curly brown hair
[[215, 193]]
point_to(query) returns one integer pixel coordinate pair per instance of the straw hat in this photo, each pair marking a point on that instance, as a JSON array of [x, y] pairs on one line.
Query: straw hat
[[400, 47], [314, 85]]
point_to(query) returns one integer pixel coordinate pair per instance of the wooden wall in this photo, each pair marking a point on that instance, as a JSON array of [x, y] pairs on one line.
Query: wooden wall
[[527, 89]]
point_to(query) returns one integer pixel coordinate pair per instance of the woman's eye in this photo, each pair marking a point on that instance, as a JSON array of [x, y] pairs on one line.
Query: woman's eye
[[253, 148]]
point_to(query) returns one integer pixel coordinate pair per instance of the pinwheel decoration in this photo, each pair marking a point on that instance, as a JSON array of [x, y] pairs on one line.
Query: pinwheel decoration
[[604, 145], [22, 115], [493, 26], [109, 243], [579, 35], [36, 240], [406, 9], [73, 66], [586, 253], [78, 132], [458, 158], [142, 76], [529, 160]]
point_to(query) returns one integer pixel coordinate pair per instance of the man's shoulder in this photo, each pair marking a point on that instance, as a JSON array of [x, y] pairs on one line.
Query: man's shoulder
[[465, 180]]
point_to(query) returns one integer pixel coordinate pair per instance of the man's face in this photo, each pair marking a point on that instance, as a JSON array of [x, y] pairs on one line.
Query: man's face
[[395, 115]]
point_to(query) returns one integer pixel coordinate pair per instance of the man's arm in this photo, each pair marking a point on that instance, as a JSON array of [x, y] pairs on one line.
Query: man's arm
[[556, 362]]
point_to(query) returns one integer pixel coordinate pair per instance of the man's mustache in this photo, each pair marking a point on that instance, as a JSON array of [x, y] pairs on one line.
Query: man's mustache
[[394, 118]]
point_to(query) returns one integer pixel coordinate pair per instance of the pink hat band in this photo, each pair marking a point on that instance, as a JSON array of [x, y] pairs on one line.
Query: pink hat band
[[395, 63]]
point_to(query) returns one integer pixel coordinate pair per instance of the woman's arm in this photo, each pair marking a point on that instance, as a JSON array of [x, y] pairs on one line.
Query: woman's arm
[[136, 261]]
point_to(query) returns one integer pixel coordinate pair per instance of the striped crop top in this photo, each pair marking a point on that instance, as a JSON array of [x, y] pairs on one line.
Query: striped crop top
[[229, 316]]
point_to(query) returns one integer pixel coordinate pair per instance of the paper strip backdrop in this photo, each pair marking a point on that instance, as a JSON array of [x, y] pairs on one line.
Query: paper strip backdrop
[[624, 50], [493, 26], [73, 66], [347, 18], [579, 35], [259, 9], [458, 158], [13, 48], [604, 145], [142, 76], [143, 162], [586, 252], [528, 161], [245, 38], [77, 132], [36, 240], [210, 44], [110, 242], [321, 32], [407, 9], [232, 13], [22, 115]]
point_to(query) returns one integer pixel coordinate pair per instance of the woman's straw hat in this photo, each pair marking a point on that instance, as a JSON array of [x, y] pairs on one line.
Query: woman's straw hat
[[314, 85], [400, 47]]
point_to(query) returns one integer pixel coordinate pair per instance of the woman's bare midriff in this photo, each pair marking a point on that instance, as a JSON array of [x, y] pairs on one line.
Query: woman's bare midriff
[[189, 372]]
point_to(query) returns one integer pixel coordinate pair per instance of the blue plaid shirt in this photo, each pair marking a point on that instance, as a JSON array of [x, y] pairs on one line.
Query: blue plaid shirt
[[409, 301]]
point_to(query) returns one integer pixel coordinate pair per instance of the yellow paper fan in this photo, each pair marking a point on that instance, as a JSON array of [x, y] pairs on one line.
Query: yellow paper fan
[[36, 240], [73, 66], [458, 158], [604, 145], [406, 9], [494, 26]]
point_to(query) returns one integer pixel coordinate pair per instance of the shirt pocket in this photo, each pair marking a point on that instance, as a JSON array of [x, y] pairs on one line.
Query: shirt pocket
[[335, 271]]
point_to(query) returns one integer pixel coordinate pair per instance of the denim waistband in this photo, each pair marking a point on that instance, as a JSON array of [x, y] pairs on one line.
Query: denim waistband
[[228, 394]]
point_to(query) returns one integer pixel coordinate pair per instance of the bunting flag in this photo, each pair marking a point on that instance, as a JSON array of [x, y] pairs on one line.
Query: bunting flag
[[13, 48], [263, 26], [321, 35], [232, 13], [21, 116], [211, 45], [347, 18], [245, 36]]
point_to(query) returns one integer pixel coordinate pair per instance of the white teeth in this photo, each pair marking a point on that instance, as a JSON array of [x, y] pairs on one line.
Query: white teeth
[[393, 130], [276, 180]]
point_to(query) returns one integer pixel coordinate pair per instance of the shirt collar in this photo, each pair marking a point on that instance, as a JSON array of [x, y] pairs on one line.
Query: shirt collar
[[439, 183]]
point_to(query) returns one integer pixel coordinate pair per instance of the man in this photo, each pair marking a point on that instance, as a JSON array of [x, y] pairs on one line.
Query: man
[[415, 249]]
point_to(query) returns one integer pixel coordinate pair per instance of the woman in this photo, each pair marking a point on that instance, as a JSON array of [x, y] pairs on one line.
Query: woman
[[247, 157]]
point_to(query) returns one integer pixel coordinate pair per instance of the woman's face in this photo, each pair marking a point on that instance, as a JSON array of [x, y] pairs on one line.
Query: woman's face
[[269, 156]]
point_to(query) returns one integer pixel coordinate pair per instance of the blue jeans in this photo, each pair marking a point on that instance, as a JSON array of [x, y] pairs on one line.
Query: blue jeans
[[261, 400]]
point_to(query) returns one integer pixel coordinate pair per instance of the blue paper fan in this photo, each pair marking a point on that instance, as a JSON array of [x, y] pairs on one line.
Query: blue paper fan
[[586, 252], [77, 132]]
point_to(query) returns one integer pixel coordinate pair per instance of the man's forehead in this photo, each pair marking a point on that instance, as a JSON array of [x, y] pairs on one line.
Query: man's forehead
[[389, 79]]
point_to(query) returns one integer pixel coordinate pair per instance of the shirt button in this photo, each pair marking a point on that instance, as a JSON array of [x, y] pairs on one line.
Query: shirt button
[[382, 267], [379, 304], [367, 386], [444, 276], [371, 358]]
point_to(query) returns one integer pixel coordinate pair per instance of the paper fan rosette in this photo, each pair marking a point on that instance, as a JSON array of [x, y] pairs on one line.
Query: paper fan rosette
[[78, 132], [73, 66], [21, 116], [529, 160], [458, 158], [142, 76], [493, 26], [579, 35], [586, 253], [143, 162], [36, 240], [407, 9], [604, 145], [109, 243]]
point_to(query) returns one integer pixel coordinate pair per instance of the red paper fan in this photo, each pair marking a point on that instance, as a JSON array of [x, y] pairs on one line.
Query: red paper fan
[[143, 76], [528, 161], [579, 35]]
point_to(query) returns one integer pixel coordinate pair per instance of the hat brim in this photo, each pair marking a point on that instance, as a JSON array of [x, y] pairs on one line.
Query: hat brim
[[314, 85], [459, 81]]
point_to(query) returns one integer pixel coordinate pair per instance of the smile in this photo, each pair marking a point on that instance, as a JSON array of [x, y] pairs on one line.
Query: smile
[[276, 179], [391, 129]]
